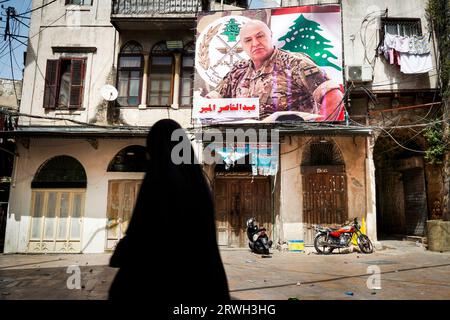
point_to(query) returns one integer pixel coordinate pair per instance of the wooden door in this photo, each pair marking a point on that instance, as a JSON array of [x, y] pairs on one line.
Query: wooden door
[[236, 200], [324, 198], [416, 211], [122, 195]]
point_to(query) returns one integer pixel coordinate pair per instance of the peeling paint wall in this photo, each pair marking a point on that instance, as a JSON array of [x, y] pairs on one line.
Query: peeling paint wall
[[385, 76], [8, 91], [291, 203], [68, 26]]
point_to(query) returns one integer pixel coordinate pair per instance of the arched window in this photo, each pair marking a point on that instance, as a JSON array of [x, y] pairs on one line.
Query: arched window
[[187, 74], [130, 72], [129, 159], [321, 153], [160, 92], [60, 172], [57, 206]]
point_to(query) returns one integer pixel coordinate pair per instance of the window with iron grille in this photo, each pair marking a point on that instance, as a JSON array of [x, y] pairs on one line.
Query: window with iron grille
[[401, 26], [322, 153], [60, 172], [129, 159], [79, 2], [236, 3]]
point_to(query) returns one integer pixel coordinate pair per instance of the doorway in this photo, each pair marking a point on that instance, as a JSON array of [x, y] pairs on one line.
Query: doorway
[[324, 187], [238, 198], [122, 195], [402, 195]]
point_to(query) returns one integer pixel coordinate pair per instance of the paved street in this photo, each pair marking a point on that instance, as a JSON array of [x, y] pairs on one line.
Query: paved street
[[408, 271]]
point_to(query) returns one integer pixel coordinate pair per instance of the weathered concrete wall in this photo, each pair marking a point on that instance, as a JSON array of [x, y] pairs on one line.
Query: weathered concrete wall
[[435, 187], [95, 163], [67, 26], [291, 203], [438, 235], [87, 26], [385, 76], [8, 91]]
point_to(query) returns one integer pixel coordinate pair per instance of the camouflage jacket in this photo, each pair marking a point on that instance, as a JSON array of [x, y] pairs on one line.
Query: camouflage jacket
[[285, 82]]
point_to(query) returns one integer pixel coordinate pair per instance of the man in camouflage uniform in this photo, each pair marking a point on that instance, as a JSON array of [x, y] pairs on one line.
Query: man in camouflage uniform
[[283, 81]]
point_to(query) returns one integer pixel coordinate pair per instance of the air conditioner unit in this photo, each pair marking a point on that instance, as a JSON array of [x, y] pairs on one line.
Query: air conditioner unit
[[358, 73]]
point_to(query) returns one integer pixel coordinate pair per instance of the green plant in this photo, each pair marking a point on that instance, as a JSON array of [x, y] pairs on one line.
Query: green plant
[[436, 144], [438, 16]]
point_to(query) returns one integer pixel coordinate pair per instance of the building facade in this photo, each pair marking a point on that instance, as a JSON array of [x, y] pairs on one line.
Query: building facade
[[79, 157], [10, 96]]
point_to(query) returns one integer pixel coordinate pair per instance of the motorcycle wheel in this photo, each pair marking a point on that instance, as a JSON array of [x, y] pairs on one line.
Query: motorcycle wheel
[[365, 244], [321, 249]]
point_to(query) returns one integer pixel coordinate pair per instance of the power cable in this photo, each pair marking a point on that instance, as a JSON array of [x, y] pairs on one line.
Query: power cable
[[24, 13], [338, 107], [40, 31], [12, 72]]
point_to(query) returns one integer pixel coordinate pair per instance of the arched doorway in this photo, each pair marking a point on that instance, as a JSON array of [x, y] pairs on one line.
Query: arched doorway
[[57, 206], [324, 186], [239, 196], [122, 193], [401, 186]]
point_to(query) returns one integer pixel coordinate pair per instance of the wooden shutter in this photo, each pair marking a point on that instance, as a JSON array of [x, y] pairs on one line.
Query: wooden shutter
[[76, 83], [51, 84]]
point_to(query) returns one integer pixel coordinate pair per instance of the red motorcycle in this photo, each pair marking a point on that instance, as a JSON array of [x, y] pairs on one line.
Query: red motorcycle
[[328, 239]]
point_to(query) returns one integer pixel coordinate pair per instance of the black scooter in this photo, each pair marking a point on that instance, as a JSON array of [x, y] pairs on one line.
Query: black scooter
[[258, 240]]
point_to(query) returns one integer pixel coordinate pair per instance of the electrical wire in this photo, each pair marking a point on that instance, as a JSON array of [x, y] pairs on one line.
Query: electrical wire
[[358, 125], [363, 39], [12, 72], [338, 106], [14, 33], [44, 5], [40, 31], [404, 142]]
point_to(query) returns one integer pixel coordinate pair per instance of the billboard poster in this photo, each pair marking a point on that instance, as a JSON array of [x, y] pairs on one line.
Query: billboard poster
[[269, 65]]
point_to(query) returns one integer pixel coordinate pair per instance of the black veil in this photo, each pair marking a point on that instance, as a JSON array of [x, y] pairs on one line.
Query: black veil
[[170, 245]]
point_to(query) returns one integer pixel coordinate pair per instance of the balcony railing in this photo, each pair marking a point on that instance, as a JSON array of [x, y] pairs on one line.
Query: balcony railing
[[151, 7]]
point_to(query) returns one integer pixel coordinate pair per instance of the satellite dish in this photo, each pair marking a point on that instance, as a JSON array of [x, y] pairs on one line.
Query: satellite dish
[[109, 93]]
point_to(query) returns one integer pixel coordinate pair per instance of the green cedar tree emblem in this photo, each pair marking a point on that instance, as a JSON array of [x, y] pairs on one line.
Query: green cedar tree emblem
[[231, 30], [303, 37]]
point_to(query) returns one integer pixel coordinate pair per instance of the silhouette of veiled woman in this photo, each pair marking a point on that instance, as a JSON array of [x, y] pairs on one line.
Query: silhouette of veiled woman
[[170, 249]]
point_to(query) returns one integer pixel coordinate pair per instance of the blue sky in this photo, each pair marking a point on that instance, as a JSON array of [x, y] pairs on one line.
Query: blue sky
[[21, 6]]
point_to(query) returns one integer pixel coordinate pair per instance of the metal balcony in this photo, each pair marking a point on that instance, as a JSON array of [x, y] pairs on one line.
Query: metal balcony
[[153, 14], [155, 7]]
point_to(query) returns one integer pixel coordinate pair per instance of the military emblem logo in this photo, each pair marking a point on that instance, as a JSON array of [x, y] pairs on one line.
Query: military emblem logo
[[218, 48]]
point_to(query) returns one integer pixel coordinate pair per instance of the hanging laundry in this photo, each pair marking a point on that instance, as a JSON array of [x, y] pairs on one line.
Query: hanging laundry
[[419, 45], [411, 54], [415, 63], [396, 42], [394, 57]]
